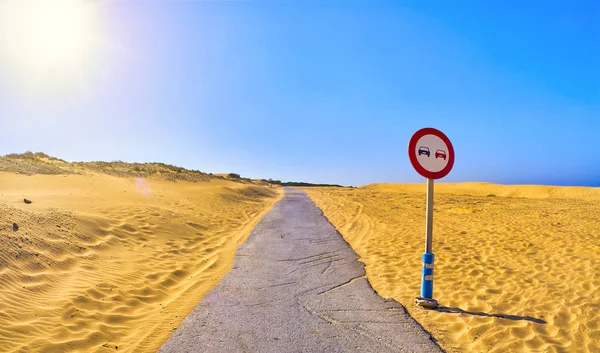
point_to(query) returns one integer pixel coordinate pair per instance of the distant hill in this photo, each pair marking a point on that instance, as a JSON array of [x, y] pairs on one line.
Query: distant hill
[[301, 183], [30, 163]]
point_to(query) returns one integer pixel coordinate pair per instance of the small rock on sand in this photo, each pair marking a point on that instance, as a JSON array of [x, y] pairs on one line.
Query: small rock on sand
[[15, 227], [27, 201]]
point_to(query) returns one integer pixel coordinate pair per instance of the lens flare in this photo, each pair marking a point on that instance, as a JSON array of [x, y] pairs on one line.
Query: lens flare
[[143, 187]]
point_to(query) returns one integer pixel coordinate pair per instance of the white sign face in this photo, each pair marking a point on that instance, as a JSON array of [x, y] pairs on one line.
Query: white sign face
[[432, 153]]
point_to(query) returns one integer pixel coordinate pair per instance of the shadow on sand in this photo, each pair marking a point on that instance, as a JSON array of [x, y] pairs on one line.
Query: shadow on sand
[[446, 309]]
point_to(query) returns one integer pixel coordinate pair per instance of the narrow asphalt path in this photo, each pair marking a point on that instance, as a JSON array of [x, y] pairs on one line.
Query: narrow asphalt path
[[296, 286]]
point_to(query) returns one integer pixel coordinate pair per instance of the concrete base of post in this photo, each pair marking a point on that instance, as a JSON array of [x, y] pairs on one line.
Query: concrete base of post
[[427, 303]]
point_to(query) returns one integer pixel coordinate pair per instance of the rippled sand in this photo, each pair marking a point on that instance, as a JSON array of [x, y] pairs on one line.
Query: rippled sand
[[517, 267], [101, 263]]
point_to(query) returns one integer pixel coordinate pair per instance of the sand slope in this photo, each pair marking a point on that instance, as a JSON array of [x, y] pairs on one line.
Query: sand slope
[[517, 267], [102, 262]]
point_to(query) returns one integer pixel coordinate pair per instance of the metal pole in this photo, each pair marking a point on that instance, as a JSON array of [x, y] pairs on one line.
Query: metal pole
[[429, 217], [427, 277]]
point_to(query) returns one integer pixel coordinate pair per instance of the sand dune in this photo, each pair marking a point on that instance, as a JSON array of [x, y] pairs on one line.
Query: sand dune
[[104, 263], [517, 267]]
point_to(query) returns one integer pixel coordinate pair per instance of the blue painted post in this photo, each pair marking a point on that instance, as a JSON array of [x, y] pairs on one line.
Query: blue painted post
[[427, 279]]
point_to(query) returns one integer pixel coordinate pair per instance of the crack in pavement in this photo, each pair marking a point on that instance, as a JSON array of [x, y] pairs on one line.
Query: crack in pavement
[[350, 281], [329, 266], [297, 286]]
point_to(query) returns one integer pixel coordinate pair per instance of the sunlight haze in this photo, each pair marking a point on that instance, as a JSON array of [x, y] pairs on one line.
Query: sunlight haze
[[48, 44], [313, 91]]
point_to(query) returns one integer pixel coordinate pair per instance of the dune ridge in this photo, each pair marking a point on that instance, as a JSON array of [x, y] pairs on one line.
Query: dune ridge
[[104, 263], [516, 266]]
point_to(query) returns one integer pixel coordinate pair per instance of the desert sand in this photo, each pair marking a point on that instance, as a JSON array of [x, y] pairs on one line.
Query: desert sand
[[517, 267], [110, 263]]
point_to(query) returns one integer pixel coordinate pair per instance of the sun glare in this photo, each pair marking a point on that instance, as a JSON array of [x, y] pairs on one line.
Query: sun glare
[[46, 42]]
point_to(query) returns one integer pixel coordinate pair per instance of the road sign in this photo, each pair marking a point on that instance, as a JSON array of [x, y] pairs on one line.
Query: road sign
[[431, 153]]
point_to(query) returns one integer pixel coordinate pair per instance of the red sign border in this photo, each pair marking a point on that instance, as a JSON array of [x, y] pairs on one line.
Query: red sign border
[[412, 145]]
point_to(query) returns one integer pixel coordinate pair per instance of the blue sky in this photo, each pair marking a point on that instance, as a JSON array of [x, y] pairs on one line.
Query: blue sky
[[330, 91]]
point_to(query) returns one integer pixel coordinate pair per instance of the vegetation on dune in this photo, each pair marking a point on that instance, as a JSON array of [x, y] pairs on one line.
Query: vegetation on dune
[[35, 156], [31, 163], [146, 170]]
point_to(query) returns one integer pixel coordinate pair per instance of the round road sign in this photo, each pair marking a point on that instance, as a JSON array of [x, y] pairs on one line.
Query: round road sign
[[431, 153]]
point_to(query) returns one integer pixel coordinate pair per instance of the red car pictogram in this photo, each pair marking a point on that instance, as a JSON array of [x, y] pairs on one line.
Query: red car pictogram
[[440, 154]]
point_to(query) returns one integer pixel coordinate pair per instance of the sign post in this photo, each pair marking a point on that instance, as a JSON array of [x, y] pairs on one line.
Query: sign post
[[432, 155]]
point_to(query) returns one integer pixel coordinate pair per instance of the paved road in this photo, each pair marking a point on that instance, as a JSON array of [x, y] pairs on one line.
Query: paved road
[[296, 286]]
